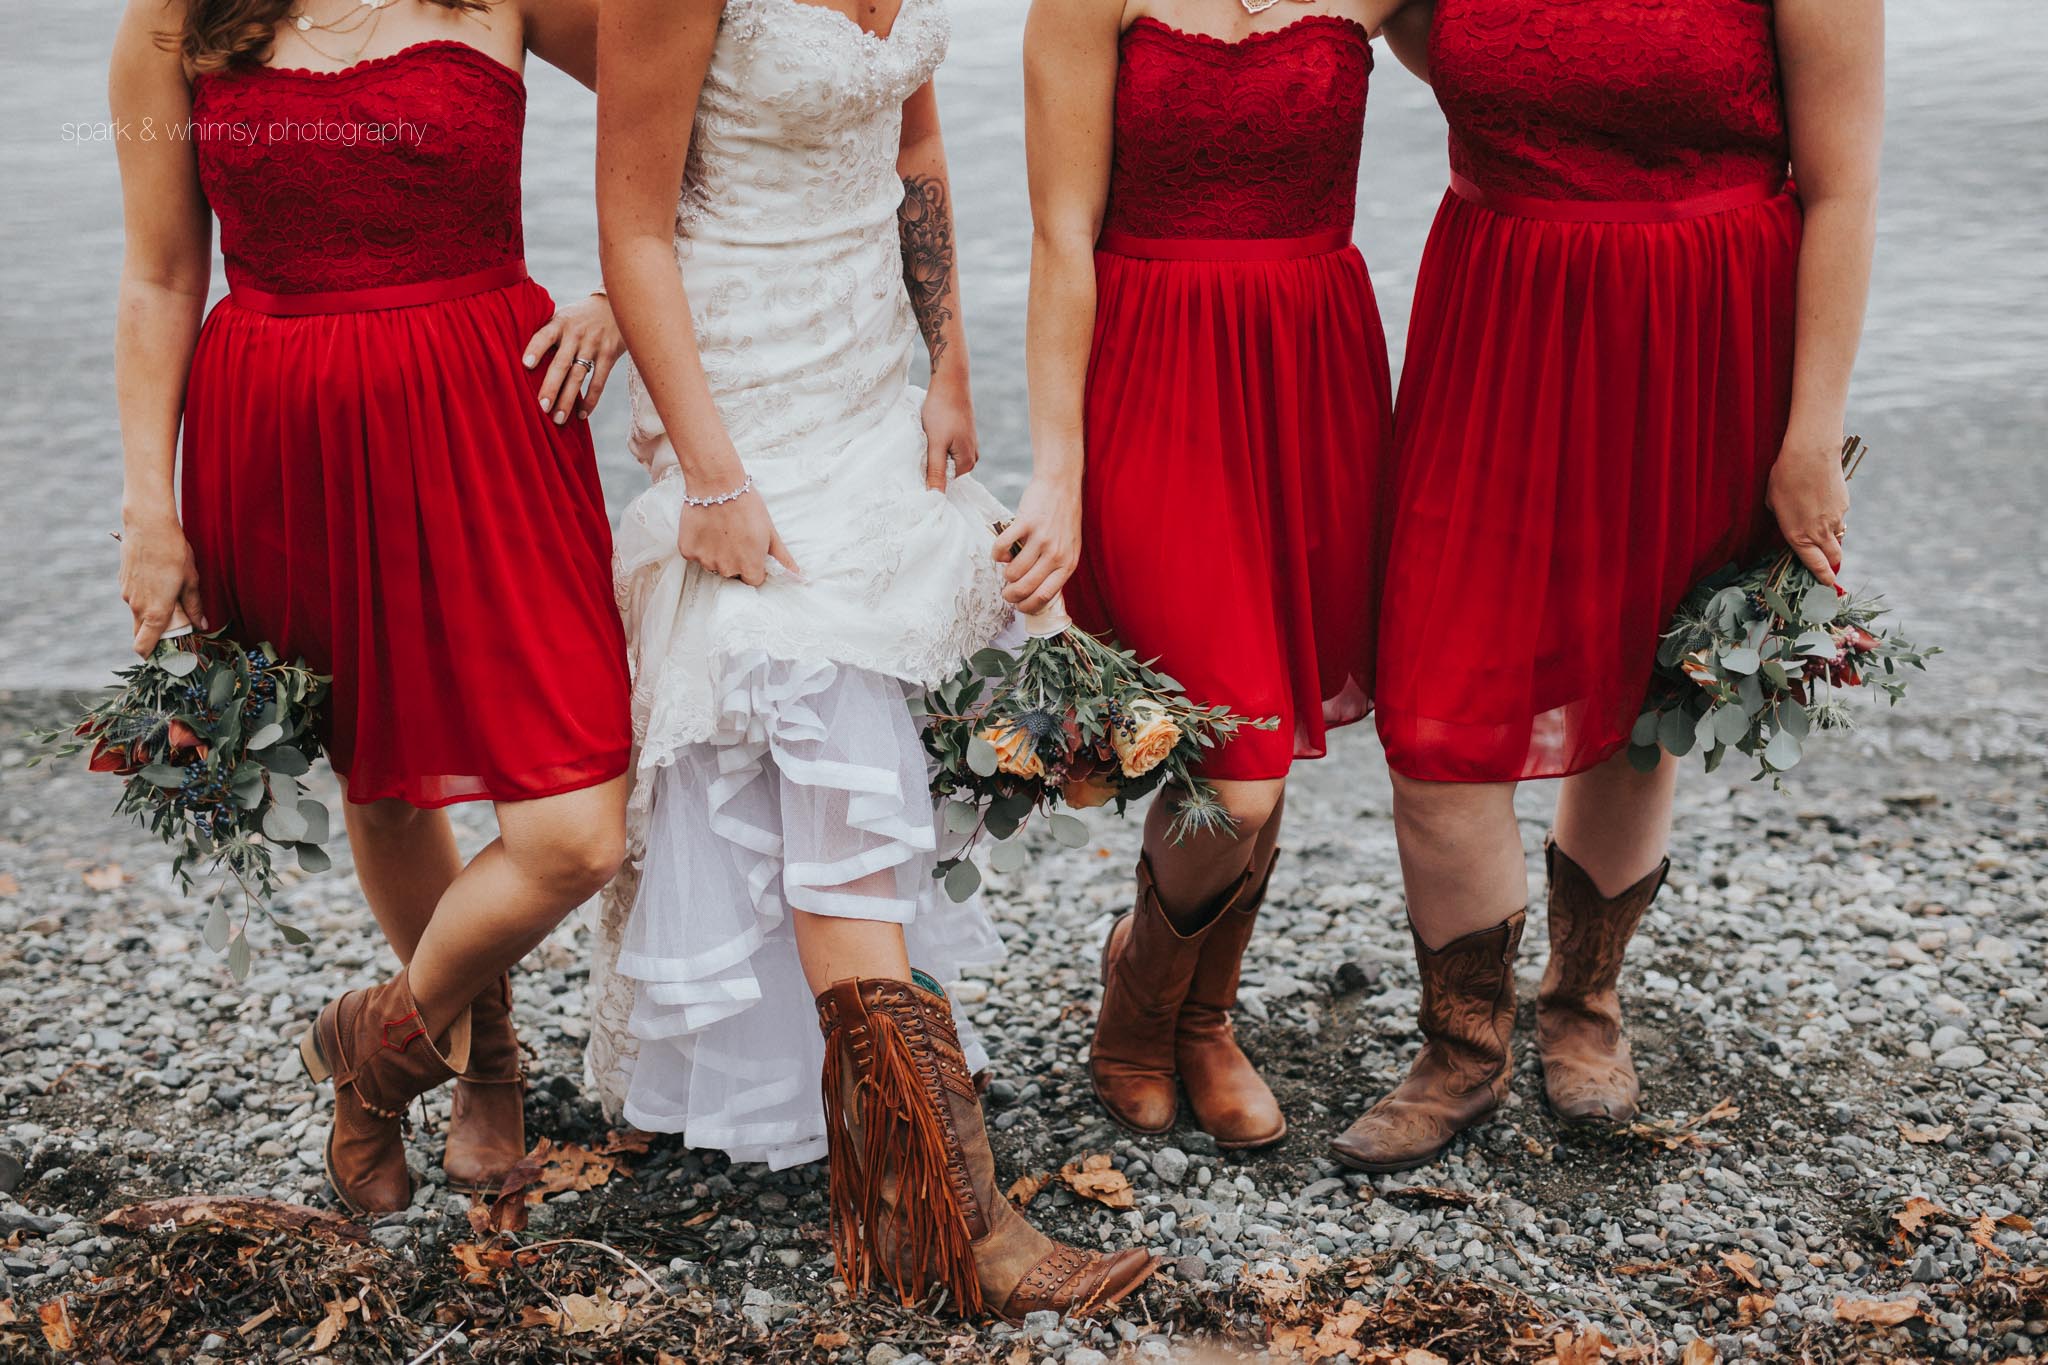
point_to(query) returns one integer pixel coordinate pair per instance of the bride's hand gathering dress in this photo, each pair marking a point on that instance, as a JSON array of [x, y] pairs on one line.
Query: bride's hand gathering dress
[[777, 761]]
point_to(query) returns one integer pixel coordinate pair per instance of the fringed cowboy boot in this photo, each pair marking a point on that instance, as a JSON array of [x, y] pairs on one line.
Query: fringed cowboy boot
[[914, 1197], [487, 1119], [1232, 1102], [1148, 968], [1588, 1075], [376, 1050], [1466, 1063]]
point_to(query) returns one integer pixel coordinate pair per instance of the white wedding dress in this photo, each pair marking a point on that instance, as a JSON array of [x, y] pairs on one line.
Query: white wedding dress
[[778, 766]]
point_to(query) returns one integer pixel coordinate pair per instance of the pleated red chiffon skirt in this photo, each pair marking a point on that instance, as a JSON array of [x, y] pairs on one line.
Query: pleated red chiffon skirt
[[1587, 421], [379, 492], [1237, 422]]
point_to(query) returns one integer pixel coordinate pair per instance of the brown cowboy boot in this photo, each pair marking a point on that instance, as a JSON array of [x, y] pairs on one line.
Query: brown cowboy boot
[[1232, 1102], [914, 1196], [487, 1119], [1588, 1075], [1466, 1063], [374, 1047], [1148, 967]]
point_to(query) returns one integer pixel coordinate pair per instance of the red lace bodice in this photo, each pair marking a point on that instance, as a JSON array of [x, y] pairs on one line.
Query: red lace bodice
[[397, 170], [1257, 138], [1610, 99]]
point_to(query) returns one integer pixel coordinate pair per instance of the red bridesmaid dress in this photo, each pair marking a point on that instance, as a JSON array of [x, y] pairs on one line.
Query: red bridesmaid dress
[[1238, 401], [1598, 375], [368, 479]]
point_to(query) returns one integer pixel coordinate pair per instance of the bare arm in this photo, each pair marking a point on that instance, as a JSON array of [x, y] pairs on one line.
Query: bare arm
[[1070, 55], [1407, 34], [1831, 53], [925, 225], [165, 269], [652, 57], [563, 33]]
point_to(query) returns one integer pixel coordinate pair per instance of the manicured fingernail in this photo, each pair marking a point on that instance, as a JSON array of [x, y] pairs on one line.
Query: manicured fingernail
[[561, 417], [543, 405], [530, 362]]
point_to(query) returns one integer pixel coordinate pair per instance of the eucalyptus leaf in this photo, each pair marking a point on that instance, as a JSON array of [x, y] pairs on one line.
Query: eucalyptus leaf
[[286, 760], [1820, 605], [1645, 730], [1008, 856], [238, 957], [962, 817], [1068, 830], [316, 821], [1750, 692], [312, 858], [1816, 644], [1741, 659], [963, 880], [1000, 822], [284, 825], [1703, 728], [164, 775], [982, 759], [991, 663], [215, 935], [1783, 751], [266, 736], [1644, 758], [1795, 718], [1730, 725], [292, 934], [220, 686], [1674, 732], [179, 663]]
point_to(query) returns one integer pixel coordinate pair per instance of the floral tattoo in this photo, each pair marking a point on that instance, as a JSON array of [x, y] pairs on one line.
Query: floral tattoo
[[925, 224]]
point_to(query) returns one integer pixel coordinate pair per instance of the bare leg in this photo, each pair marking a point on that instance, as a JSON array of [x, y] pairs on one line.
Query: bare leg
[[549, 857], [1193, 874], [405, 860], [834, 948], [1616, 822], [1461, 856]]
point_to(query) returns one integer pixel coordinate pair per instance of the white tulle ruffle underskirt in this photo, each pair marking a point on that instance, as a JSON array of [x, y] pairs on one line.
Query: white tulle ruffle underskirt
[[811, 797]]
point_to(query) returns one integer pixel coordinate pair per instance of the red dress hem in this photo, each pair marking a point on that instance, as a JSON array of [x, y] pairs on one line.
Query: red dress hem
[[598, 772]]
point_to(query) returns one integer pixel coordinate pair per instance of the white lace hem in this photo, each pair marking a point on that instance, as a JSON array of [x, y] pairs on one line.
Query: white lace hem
[[811, 796]]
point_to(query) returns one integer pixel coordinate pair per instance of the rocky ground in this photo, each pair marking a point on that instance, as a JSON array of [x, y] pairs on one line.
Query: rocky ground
[[1837, 1005]]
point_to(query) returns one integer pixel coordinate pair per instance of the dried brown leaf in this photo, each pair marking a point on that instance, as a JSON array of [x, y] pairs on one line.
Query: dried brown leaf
[[1750, 1307], [1096, 1177], [1026, 1187], [1426, 1194], [1923, 1136], [1876, 1312], [1742, 1266], [1583, 1347], [8, 885], [830, 1341], [108, 878], [58, 1329], [238, 1214], [333, 1325], [7, 1313], [1915, 1215], [596, 1314], [1699, 1351]]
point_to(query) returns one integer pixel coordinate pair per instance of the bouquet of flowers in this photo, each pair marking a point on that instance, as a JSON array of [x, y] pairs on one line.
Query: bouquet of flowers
[[1756, 658], [211, 740], [1071, 720]]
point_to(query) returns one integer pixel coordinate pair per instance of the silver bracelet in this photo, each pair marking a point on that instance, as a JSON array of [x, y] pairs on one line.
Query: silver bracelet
[[723, 498]]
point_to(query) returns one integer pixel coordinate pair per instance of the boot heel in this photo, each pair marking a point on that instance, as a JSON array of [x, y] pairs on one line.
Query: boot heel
[[310, 1058]]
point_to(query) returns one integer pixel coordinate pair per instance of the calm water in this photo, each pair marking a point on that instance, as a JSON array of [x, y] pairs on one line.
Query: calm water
[[1952, 390]]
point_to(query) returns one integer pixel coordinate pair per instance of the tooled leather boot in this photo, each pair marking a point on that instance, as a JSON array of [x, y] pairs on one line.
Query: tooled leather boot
[[914, 1196], [1466, 1063], [1232, 1102], [373, 1046], [1148, 967], [487, 1117], [1588, 1074]]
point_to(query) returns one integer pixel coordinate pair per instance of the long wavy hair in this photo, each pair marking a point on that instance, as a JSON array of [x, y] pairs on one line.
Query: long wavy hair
[[222, 33]]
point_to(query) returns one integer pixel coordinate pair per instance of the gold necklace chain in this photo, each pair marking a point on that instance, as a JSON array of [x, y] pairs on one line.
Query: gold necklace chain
[[365, 19], [1261, 6]]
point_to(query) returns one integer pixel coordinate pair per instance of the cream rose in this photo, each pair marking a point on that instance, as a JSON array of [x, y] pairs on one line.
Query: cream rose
[[1152, 736]]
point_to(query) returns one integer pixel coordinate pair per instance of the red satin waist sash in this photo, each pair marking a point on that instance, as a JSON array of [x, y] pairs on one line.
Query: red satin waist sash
[[1225, 248], [1618, 210], [383, 296]]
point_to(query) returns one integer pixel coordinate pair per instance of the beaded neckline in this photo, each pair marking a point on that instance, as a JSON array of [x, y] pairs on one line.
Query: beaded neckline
[[1253, 39]]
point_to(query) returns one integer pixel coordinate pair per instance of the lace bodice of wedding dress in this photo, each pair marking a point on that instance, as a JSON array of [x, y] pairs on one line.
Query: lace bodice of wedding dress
[[774, 749]]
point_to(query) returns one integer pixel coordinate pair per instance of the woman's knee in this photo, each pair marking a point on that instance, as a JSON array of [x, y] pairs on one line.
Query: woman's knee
[[576, 845], [388, 819], [1251, 805], [1440, 812]]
